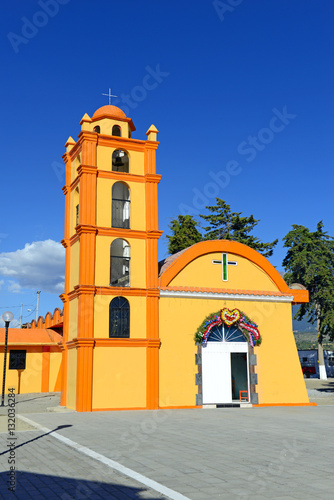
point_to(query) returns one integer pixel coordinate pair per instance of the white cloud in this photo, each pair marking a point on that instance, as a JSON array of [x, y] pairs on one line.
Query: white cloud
[[14, 287], [38, 266], [1, 283]]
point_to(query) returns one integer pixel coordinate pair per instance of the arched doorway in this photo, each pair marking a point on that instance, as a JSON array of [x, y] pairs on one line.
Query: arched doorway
[[225, 366]]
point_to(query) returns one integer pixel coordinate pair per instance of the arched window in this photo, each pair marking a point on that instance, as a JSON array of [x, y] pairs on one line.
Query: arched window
[[120, 161], [119, 318], [120, 206], [119, 263], [224, 333], [97, 129], [116, 130]]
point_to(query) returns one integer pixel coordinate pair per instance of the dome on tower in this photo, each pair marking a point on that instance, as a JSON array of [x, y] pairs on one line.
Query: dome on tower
[[109, 111], [114, 113]]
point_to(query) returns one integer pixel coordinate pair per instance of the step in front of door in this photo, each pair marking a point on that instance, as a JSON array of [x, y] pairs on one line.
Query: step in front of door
[[228, 405]]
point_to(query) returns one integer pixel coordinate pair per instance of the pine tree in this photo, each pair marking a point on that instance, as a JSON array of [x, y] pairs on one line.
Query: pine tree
[[185, 233], [310, 261], [227, 225]]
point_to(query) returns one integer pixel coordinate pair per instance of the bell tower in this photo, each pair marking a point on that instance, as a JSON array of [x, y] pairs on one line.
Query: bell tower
[[111, 331]]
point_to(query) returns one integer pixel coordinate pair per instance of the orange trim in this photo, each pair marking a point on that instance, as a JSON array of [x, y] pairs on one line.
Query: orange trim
[[85, 342], [118, 118], [121, 233], [121, 143], [152, 301], [74, 238], [300, 296], [85, 229], [285, 404], [84, 374], [233, 247], [106, 174], [152, 378], [62, 375], [86, 169], [180, 407], [28, 345], [135, 408], [74, 184], [30, 348], [144, 408], [64, 370], [127, 343], [112, 232], [84, 289], [128, 233], [75, 151], [58, 384], [45, 369], [154, 178], [30, 336], [80, 342], [113, 291]]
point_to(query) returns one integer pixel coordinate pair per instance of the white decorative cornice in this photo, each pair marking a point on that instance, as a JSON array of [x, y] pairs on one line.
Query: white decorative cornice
[[225, 296]]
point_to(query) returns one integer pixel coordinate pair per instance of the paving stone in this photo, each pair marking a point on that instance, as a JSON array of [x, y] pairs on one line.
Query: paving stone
[[230, 454]]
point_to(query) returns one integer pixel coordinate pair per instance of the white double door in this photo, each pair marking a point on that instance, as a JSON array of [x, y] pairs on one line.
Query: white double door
[[219, 366]]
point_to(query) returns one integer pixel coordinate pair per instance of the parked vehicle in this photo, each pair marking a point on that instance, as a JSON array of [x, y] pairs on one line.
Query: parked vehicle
[[308, 371], [310, 364]]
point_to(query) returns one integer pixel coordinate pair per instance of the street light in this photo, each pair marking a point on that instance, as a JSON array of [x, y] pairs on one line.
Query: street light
[[7, 318]]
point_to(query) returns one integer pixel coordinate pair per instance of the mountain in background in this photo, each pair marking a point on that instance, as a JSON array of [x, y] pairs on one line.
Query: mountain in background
[[303, 325]]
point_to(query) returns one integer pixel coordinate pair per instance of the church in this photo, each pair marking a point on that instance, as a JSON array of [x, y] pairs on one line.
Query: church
[[208, 327]]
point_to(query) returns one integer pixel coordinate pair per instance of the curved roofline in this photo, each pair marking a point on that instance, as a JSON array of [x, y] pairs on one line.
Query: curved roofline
[[113, 112], [206, 247]]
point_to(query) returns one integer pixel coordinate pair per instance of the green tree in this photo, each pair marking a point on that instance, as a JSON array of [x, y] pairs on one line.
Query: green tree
[[310, 261], [227, 225], [185, 233]]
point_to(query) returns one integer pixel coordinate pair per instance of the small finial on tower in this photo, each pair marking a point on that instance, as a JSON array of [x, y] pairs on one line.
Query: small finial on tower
[[70, 143], [152, 133]]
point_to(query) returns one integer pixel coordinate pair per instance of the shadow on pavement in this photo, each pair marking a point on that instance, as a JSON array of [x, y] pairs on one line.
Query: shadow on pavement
[[23, 400], [30, 485], [10, 447]]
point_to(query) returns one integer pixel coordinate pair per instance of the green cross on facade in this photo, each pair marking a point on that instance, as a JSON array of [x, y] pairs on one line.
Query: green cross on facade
[[225, 263]]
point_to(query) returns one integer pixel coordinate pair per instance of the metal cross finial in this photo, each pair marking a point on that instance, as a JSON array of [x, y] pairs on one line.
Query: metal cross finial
[[110, 95]]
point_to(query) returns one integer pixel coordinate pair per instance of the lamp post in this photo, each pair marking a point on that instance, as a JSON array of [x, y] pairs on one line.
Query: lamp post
[[7, 318]]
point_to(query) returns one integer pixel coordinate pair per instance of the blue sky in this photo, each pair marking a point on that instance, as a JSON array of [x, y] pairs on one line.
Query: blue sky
[[240, 91]]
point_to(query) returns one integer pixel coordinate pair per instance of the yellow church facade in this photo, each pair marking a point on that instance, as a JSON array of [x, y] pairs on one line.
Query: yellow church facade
[[129, 327]]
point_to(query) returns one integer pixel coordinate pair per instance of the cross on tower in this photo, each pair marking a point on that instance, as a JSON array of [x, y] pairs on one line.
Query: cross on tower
[[225, 263], [110, 95]]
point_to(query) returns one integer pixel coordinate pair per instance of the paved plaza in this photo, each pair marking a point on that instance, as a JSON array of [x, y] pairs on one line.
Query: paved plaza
[[252, 453]]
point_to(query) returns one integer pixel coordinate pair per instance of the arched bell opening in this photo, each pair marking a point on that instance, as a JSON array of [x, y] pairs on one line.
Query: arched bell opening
[[120, 161], [116, 131], [120, 216], [119, 263]]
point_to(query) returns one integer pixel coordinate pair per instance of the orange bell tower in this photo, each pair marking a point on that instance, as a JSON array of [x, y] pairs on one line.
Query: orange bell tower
[[111, 325]]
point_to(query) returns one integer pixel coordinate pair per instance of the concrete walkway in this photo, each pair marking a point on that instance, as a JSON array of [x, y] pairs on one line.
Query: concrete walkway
[[257, 453]]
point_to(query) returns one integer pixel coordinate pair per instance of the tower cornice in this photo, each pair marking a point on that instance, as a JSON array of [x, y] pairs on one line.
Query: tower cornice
[[85, 229], [86, 169], [153, 178]]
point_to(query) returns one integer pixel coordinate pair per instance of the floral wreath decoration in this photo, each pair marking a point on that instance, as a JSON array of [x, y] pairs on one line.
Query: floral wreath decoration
[[249, 329]]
